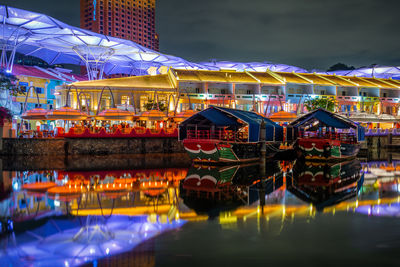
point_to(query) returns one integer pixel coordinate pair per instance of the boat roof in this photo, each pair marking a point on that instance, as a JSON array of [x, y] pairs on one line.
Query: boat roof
[[220, 116], [327, 118]]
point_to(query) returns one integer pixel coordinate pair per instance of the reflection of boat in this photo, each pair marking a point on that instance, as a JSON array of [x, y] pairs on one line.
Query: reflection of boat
[[324, 136], [210, 190], [223, 135], [325, 184]]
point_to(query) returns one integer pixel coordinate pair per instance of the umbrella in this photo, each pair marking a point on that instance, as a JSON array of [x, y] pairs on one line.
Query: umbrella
[[66, 113], [364, 117], [115, 114], [282, 116], [387, 118], [35, 114], [153, 115], [184, 115]]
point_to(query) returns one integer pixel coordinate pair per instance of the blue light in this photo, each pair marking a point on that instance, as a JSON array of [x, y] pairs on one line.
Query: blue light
[[10, 225], [94, 9]]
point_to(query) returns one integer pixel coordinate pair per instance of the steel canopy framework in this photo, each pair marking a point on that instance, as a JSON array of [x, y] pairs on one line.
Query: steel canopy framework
[[253, 66], [377, 71], [55, 42]]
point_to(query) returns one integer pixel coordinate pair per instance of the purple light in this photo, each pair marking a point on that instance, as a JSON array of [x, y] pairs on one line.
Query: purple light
[[383, 210]]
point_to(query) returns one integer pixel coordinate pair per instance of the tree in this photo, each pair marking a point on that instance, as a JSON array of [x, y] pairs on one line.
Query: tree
[[325, 103], [150, 105], [5, 114], [340, 66], [9, 82]]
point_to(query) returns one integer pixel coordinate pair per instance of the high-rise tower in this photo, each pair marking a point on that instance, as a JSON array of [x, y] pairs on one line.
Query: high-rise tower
[[127, 19]]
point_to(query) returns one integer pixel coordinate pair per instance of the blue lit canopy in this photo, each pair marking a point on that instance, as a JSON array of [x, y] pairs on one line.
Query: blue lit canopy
[[55, 42], [376, 71], [253, 66]]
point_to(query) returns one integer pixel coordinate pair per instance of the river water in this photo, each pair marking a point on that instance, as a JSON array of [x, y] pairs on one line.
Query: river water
[[163, 211]]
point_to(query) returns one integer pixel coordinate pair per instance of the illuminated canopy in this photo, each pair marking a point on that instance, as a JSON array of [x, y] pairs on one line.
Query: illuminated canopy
[[374, 71], [55, 42], [253, 66]]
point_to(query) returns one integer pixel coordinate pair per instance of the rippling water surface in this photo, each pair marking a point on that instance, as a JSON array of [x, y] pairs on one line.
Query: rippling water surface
[[163, 211]]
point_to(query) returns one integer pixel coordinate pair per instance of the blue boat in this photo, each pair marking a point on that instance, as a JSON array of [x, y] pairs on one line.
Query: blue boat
[[225, 135], [325, 136]]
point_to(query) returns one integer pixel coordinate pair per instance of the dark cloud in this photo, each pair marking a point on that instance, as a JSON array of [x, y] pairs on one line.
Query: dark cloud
[[308, 33]]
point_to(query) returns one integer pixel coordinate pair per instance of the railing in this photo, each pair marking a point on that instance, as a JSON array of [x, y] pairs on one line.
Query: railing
[[344, 137], [103, 133], [225, 135], [382, 132]]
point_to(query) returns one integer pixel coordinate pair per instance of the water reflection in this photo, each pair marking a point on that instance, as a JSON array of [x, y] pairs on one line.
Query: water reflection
[[212, 190], [324, 184], [79, 216]]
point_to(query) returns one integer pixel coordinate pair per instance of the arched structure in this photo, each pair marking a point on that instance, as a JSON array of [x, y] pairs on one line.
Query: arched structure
[[101, 95]]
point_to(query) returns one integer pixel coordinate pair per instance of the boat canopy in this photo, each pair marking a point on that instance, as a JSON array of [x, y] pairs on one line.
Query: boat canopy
[[232, 119], [328, 119]]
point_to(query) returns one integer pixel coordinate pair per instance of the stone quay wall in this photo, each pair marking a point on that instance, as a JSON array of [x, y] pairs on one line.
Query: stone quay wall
[[89, 146], [391, 142]]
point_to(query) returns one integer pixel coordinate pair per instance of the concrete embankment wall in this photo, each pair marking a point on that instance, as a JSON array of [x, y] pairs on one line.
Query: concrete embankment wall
[[391, 142], [94, 162], [86, 146]]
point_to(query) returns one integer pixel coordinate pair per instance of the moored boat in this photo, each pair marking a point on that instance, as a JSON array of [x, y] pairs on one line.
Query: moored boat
[[324, 136], [224, 135]]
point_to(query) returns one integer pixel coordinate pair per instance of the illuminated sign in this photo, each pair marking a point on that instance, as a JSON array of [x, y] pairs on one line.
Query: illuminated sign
[[94, 9]]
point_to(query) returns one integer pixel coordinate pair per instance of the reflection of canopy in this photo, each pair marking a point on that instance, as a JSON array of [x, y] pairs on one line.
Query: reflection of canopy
[[67, 243], [66, 113], [35, 114], [115, 114]]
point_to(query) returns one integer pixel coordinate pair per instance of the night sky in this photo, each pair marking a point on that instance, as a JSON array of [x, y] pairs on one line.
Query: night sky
[[313, 34]]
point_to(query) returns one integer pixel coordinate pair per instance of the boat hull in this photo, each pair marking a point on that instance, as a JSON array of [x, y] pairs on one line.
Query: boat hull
[[216, 151], [313, 149]]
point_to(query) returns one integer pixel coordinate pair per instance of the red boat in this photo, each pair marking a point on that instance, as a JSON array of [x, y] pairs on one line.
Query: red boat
[[324, 136]]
